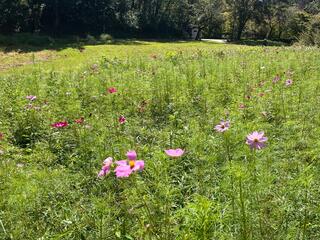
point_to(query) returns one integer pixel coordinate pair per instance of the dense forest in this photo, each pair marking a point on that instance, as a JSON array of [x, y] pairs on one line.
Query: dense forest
[[234, 19]]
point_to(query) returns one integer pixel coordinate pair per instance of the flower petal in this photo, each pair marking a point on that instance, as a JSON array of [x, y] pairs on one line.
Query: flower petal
[[139, 165], [174, 152], [132, 155], [123, 171], [122, 163]]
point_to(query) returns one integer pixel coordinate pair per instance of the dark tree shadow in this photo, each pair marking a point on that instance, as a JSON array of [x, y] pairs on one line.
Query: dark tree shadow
[[26, 43], [265, 42]]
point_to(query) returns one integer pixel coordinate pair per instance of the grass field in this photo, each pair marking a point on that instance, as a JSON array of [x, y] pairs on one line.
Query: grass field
[[150, 97]]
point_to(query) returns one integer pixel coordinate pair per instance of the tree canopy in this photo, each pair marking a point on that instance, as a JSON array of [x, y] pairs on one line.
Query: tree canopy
[[271, 19]]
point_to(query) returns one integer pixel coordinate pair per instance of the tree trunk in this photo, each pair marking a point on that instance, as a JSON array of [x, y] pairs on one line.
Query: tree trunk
[[239, 29], [269, 33]]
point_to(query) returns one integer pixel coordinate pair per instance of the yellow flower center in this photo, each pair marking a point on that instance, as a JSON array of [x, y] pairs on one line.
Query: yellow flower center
[[131, 163]]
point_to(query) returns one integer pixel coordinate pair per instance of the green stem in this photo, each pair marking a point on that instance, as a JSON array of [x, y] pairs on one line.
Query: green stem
[[305, 213], [167, 202], [255, 187], [148, 211], [243, 212], [254, 166], [227, 145], [101, 227], [3, 228], [283, 104], [121, 204]]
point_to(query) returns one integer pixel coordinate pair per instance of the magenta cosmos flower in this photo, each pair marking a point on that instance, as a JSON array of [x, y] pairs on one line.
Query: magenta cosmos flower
[[112, 90], [223, 126], [174, 152], [79, 120], [276, 79], [31, 97], [122, 119], [242, 106], [256, 140], [107, 163], [126, 167], [59, 124], [289, 82]]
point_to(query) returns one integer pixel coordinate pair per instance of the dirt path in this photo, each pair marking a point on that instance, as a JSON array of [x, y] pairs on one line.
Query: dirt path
[[215, 40]]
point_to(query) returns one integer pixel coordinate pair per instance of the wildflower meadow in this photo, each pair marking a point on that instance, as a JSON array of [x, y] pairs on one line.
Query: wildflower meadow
[[162, 140]]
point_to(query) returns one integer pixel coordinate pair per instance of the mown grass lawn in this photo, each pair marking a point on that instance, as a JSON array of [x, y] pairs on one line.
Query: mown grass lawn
[[150, 97]]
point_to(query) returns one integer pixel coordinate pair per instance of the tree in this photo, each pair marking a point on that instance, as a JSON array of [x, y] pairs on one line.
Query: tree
[[273, 14], [160, 18], [207, 14], [241, 11]]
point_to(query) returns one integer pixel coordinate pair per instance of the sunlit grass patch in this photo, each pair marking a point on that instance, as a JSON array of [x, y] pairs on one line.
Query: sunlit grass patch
[[226, 137]]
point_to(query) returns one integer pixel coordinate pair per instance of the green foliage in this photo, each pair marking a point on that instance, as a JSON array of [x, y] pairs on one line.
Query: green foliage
[[105, 37], [199, 219], [312, 35], [296, 22], [233, 19]]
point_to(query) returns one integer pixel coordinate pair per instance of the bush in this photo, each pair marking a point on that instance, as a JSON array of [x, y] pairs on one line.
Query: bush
[[23, 39], [312, 35], [91, 39], [105, 37]]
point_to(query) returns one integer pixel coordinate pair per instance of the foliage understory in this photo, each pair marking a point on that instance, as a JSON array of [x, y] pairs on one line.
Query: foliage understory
[[172, 95]]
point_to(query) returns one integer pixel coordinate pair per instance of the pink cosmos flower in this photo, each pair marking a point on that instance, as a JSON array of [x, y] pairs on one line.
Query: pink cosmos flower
[[256, 140], [126, 167], [153, 56], [94, 67], [122, 119], [174, 152], [31, 97], [28, 106], [276, 79], [107, 163], [242, 106], [112, 90], [289, 82], [80, 120], [60, 124], [223, 126]]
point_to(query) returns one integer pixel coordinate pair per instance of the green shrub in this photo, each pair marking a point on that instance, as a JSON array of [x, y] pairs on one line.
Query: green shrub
[[91, 40], [312, 35], [105, 37], [23, 39]]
